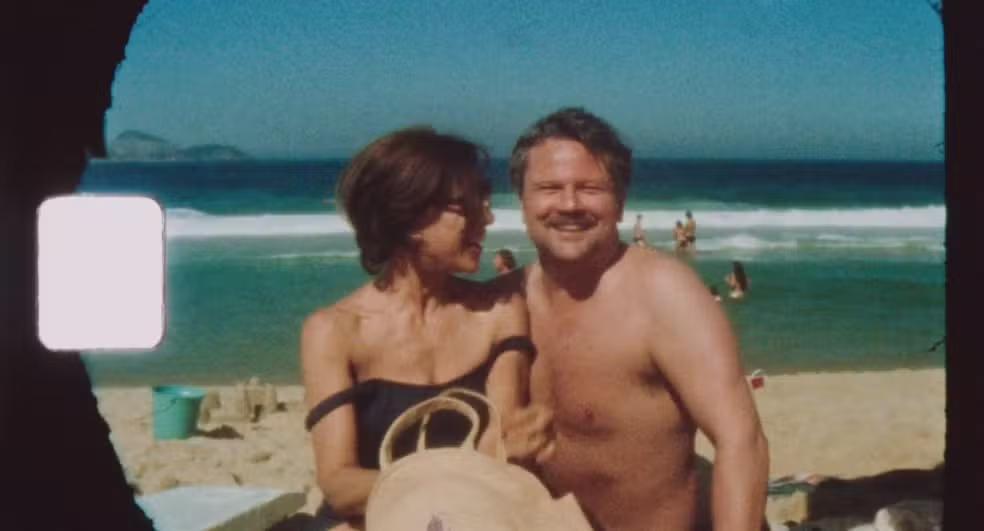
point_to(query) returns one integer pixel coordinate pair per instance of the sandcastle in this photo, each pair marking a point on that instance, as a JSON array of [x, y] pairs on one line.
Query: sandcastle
[[247, 402]]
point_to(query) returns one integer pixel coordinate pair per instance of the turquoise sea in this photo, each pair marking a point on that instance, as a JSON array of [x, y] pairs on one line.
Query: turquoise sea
[[846, 259]]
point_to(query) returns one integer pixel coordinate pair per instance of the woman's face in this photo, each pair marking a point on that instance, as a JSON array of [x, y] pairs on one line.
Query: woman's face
[[449, 241]]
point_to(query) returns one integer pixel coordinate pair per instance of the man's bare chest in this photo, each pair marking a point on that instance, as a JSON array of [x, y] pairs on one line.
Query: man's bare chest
[[587, 370]]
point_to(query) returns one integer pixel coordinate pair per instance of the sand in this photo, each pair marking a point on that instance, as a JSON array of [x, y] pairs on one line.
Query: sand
[[836, 424]]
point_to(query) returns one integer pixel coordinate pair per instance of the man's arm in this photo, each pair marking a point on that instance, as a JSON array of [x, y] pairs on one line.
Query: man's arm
[[696, 350]]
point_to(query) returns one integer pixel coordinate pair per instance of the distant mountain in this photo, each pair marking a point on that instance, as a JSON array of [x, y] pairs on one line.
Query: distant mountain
[[137, 145], [212, 152]]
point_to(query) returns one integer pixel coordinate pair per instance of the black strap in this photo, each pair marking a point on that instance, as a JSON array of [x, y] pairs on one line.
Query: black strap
[[326, 406], [336, 400], [521, 343]]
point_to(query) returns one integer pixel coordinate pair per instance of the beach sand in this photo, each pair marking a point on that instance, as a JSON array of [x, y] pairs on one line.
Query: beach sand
[[834, 424]]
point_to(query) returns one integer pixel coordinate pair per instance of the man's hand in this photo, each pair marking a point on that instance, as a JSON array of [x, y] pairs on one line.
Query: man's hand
[[528, 434]]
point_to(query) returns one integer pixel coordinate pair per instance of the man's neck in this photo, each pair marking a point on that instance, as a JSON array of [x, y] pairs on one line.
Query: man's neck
[[578, 280]]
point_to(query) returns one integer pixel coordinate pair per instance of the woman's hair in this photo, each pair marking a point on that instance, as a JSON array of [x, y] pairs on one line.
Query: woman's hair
[[740, 278], [399, 181], [508, 259]]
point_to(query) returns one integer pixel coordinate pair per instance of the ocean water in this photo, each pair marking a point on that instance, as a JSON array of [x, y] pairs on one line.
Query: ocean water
[[846, 260]]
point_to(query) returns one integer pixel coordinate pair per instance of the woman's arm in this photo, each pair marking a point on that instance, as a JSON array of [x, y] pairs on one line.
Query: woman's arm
[[526, 429], [325, 369]]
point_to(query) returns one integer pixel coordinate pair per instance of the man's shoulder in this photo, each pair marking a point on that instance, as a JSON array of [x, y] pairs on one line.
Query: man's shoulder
[[657, 273], [648, 263]]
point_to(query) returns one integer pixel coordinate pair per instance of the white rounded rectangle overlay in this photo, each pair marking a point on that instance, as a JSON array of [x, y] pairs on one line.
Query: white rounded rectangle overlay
[[101, 273]]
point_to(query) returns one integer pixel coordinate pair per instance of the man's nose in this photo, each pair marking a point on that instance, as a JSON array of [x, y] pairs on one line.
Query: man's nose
[[569, 199]]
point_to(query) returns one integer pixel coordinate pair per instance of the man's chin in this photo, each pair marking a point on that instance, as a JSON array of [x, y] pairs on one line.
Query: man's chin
[[565, 252]]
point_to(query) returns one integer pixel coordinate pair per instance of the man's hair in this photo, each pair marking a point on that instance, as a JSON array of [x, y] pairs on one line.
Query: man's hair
[[508, 259], [390, 187], [575, 123]]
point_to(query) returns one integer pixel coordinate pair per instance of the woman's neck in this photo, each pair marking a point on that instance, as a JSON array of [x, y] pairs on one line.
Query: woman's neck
[[413, 287]]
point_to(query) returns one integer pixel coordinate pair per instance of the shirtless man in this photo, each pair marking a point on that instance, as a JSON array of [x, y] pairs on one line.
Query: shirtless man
[[634, 354], [690, 229]]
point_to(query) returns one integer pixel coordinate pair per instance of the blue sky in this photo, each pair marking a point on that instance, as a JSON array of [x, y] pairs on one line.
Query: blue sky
[[819, 79]]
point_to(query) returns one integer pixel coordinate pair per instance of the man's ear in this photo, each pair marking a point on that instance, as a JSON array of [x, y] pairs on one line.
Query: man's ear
[[522, 211]]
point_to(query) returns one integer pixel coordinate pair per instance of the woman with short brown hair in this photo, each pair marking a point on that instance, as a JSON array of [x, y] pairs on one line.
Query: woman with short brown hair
[[418, 201]]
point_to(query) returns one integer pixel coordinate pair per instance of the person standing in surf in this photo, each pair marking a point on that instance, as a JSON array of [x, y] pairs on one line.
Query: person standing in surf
[[690, 231], [679, 238], [638, 234]]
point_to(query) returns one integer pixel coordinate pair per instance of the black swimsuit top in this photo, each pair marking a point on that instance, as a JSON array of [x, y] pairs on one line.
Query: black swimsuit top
[[378, 402]]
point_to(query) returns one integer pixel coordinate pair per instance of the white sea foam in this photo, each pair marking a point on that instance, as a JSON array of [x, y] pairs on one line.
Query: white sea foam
[[744, 242], [928, 217], [189, 223], [827, 237], [319, 255], [748, 242]]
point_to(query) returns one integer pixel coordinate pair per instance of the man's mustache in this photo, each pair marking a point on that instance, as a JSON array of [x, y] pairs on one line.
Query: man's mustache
[[581, 220]]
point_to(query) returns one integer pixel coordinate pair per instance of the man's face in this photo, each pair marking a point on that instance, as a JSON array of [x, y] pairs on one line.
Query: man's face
[[569, 202]]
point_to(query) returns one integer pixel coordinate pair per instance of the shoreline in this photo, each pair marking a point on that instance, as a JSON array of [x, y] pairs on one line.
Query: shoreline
[[841, 424], [295, 382]]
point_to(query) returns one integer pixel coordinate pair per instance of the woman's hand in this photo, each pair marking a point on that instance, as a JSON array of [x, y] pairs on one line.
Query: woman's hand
[[529, 435]]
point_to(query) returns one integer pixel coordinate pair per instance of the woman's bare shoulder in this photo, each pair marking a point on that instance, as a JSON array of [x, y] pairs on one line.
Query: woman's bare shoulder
[[342, 318]]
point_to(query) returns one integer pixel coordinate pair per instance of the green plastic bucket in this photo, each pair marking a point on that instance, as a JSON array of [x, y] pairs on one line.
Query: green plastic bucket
[[175, 411]]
